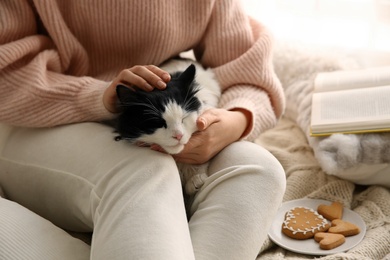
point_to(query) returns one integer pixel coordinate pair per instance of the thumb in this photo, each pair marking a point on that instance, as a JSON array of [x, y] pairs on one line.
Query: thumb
[[206, 119]]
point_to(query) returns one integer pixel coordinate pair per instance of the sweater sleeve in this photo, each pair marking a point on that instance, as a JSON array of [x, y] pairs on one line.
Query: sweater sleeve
[[239, 49], [37, 89]]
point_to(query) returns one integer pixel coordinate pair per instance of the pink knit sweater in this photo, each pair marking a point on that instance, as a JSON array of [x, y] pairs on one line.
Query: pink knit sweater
[[58, 56]]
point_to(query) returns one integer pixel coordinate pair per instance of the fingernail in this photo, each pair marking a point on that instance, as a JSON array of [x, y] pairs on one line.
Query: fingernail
[[201, 124], [161, 84], [166, 77], [148, 87]]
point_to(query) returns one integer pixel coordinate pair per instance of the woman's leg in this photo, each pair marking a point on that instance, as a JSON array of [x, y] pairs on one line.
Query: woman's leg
[[232, 212], [26, 235], [79, 178]]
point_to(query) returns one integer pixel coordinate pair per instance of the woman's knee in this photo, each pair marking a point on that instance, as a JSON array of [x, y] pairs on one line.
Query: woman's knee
[[244, 168], [136, 184], [251, 163], [248, 153], [145, 168]]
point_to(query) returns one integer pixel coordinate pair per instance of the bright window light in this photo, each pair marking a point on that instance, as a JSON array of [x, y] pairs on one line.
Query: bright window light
[[353, 24]]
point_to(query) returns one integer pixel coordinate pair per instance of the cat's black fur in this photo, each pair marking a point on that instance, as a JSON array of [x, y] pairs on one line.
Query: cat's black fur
[[168, 117], [141, 110]]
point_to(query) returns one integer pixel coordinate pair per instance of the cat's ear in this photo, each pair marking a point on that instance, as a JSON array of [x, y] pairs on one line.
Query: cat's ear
[[123, 92], [188, 75]]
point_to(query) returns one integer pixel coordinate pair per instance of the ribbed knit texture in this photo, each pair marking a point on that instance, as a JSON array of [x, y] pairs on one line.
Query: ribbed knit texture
[[306, 179], [57, 57]]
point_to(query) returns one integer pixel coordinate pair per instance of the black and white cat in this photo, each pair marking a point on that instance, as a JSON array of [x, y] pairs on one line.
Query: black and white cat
[[168, 117]]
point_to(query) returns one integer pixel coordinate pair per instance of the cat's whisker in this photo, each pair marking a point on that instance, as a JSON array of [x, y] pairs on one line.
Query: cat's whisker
[[152, 113], [153, 107], [153, 110], [186, 97], [191, 100]]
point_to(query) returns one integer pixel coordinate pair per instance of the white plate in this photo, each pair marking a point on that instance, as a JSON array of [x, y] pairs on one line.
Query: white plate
[[310, 246]]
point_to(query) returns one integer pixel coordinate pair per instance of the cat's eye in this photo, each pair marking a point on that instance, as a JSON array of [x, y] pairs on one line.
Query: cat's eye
[[165, 125]]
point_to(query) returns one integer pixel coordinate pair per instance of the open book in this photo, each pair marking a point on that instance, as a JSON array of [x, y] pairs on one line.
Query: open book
[[356, 101]]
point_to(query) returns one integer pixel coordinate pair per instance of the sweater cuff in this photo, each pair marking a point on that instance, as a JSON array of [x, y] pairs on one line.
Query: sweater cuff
[[254, 101], [90, 102], [238, 104]]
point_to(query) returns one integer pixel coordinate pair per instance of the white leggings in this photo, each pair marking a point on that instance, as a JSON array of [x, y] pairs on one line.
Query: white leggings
[[78, 178]]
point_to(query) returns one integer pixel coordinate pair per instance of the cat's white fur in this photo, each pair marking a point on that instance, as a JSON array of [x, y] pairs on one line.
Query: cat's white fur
[[179, 122], [210, 90]]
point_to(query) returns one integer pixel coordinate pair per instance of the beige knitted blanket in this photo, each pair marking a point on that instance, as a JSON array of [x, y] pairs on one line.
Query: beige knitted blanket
[[305, 177]]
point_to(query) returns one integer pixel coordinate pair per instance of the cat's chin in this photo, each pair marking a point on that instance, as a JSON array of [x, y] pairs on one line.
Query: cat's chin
[[174, 149]]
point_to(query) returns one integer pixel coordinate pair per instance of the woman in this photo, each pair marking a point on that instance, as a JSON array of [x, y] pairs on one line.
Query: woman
[[60, 168]]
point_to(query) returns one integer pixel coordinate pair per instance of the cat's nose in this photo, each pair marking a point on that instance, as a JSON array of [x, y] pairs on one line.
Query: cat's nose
[[178, 136]]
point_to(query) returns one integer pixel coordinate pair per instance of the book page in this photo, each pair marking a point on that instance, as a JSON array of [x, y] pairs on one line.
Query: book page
[[351, 109], [352, 79]]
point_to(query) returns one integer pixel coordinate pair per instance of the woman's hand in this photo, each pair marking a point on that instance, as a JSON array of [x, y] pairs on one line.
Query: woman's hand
[[217, 129], [145, 77]]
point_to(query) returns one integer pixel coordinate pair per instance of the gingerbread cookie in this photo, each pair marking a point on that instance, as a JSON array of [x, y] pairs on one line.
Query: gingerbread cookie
[[329, 241], [344, 228], [331, 212], [303, 223]]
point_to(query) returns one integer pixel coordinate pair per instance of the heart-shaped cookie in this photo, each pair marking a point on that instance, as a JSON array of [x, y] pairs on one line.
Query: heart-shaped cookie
[[329, 241], [303, 223], [344, 228], [331, 212]]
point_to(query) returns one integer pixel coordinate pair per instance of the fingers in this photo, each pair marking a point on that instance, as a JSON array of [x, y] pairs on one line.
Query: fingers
[[206, 119], [197, 150], [144, 77], [159, 72], [197, 155]]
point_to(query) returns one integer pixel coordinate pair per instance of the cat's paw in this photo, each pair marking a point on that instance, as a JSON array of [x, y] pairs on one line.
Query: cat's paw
[[339, 152], [195, 183]]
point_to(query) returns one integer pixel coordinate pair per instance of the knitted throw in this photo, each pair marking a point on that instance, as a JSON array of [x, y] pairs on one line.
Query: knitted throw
[[289, 141]]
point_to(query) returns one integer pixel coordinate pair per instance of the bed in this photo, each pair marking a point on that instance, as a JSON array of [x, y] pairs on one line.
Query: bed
[[313, 170]]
